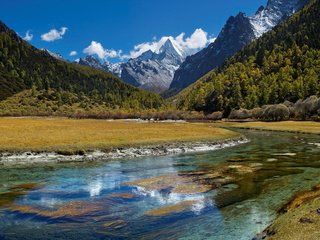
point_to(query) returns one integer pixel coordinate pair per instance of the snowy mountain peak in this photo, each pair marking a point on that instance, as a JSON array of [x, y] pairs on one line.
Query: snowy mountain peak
[[94, 62], [237, 32], [169, 48], [275, 11], [146, 56], [153, 71], [260, 9], [91, 61]]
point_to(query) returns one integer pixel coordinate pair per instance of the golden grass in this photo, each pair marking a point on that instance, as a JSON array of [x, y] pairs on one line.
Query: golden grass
[[301, 198], [301, 219], [60, 134], [288, 126]]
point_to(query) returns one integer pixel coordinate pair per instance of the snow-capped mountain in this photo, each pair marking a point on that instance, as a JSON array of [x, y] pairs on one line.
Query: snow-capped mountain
[[153, 71], [150, 71], [105, 65], [236, 33], [276, 10]]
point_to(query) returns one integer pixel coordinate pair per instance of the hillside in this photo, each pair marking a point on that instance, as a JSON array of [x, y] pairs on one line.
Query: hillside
[[236, 33], [24, 67], [282, 65]]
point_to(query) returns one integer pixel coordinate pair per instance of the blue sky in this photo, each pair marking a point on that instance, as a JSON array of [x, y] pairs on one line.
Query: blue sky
[[118, 24]]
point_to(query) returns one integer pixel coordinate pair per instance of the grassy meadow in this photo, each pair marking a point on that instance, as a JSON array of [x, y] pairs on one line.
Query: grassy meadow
[[287, 126], [74, 135]]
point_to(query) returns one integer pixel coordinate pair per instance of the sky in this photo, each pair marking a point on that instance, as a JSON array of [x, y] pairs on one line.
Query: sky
[[120, 29]]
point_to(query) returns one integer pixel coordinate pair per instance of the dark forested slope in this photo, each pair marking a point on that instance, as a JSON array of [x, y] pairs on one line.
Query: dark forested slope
[[284, 64], [24, 67]]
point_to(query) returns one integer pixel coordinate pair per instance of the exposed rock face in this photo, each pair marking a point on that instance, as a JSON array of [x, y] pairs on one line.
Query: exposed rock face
[[275, 11], [153, 71], [94, 62], [150, 71], [237, 32]]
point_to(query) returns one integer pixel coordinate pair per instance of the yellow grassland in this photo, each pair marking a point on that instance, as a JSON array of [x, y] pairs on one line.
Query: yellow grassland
[[62, 134]]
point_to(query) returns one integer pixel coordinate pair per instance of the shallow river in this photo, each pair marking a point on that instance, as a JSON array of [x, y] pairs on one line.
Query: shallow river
[[232, 193]]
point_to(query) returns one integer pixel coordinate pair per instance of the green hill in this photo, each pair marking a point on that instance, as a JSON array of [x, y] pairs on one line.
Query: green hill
[[23, 67], [283, 64]]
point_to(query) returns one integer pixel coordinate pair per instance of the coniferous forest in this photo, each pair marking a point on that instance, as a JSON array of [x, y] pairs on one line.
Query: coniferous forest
[[283, 65], [85, 155], [23, 67]]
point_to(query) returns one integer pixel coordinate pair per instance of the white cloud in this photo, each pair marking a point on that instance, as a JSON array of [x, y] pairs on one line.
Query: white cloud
[[54, 34], [95, 48], [28, 36], [73, 53], [186, 46]]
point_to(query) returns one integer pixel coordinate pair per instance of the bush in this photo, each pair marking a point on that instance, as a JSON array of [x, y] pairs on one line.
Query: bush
[[279, 112], [240, 114], [215, 116], [307, 108], [256, 113]]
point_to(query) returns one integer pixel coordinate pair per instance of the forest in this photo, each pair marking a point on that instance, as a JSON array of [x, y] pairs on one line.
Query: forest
[[282, 65], [23, 67]]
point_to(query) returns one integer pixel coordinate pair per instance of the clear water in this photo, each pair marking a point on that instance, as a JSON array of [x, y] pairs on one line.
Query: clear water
[[93, 201]]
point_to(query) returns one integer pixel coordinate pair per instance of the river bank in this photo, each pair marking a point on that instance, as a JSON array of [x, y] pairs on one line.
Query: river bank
[[305, 127], [33, 140], [299, 219], [7, 158]]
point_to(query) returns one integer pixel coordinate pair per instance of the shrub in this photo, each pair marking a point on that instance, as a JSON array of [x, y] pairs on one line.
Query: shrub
[[215, 116], [279, 112], [240, 114], [256, 113], [307, 108]]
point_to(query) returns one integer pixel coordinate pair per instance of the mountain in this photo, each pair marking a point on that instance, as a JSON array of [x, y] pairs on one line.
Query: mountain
[[153, 71], [150, 71], [24, 67], [94, 62], [276, 11], [236, 33], [282, 65]]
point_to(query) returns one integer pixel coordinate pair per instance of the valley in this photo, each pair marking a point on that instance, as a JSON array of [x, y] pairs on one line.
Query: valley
[[163, 134]]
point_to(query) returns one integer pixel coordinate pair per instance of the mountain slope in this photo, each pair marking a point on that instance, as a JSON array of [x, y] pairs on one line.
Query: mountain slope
[[237, 33], [24, 67], [150, 71], [153, 71], [281, 65], [91, 61]]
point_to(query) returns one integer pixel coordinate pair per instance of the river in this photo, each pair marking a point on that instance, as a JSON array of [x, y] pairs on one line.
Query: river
[[232, 193]]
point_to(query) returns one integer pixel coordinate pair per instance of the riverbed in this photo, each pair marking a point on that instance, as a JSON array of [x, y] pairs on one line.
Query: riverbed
[[231, 193]]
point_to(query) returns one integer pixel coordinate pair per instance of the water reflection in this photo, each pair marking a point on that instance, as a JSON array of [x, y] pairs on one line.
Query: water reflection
[[227, 194], [95, 188]]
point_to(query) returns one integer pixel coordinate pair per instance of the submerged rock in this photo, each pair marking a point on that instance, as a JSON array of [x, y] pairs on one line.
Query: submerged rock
[[272, 160], [285, 154], [70, 209], [167, 210], [122, 195], [115, 224]]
